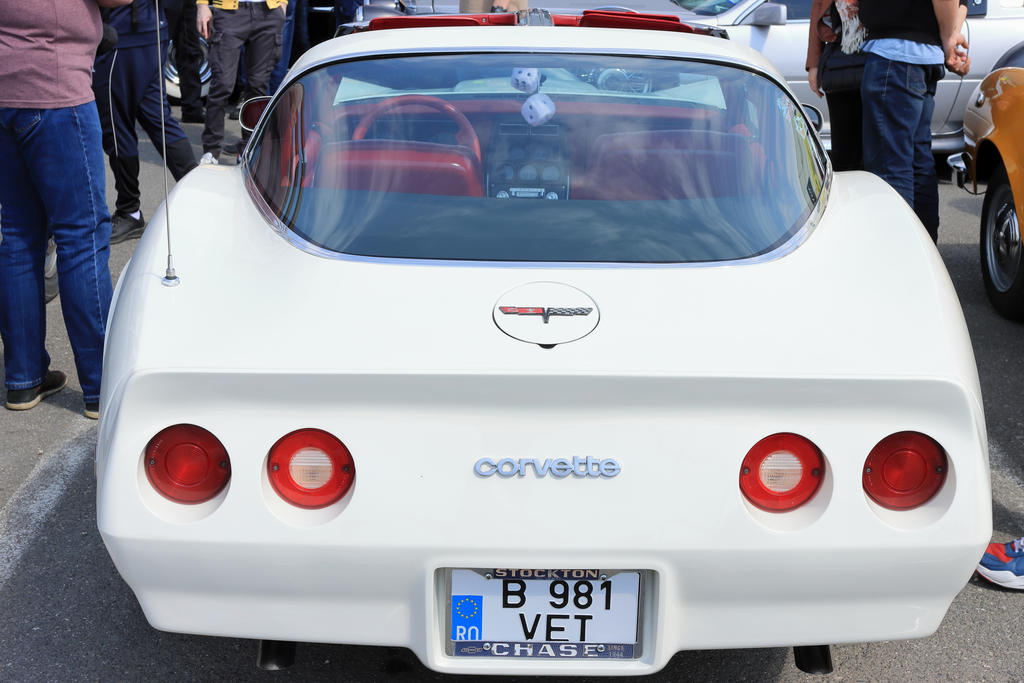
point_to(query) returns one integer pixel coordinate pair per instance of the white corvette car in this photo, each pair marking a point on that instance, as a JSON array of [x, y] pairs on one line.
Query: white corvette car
[[540, 345]]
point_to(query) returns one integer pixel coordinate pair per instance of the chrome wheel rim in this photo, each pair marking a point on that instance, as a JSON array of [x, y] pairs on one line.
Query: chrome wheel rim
[[50, 264], [620, 80], [171, 66], [1002, 240]]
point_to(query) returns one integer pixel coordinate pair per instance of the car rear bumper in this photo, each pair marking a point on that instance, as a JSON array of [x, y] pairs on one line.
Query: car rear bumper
[[371, 568], [959, 167], [942, 143], [722, 597], [948, 143]]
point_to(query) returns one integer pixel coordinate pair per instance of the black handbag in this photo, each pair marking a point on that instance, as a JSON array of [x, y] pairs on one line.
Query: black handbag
[[838, 71]]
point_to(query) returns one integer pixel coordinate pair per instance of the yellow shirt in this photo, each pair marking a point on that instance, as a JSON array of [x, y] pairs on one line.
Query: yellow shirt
[[233, 4]]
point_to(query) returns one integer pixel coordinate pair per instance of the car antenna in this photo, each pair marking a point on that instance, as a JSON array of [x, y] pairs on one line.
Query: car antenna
[[170, 278]]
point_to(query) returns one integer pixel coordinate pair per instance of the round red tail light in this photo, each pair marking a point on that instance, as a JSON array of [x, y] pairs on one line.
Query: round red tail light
[[904, 470], [187, 464], [310, 468], [781, 472]]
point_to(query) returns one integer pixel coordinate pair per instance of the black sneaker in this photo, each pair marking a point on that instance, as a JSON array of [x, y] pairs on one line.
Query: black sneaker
[[123, 227], [23, 399], [92, 410], [233, 114], [234, 151], [193, 116]]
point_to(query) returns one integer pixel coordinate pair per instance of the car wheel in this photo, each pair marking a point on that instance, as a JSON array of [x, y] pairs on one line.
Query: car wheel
[[1002, 266], [50, 272], [172, 83]]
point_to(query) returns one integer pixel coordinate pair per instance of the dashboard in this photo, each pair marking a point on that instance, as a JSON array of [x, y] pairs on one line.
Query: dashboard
[[525, 162]]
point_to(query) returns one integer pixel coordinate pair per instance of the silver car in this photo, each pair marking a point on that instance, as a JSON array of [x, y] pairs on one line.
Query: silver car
[[995, 31]]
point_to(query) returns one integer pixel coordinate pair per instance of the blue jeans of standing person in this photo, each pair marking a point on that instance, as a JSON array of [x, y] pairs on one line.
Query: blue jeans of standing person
[[345, 11], [898, 100], [52, 182], [281, 68]]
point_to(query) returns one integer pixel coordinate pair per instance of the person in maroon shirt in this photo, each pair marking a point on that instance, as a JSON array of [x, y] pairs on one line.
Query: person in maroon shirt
[[52, 182]]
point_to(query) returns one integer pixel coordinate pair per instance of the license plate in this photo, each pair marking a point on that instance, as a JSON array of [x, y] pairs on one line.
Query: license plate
[[544, 613]]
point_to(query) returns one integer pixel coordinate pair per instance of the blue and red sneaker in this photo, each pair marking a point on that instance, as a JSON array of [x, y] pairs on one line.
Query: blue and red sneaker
[[1003, 564]]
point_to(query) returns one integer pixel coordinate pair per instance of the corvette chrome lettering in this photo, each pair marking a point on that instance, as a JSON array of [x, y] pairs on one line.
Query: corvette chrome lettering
[[559, 467], [545, 313]]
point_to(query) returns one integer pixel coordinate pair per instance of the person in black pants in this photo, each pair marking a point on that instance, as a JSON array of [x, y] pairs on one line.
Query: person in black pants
[[181, 16], [230, 26], [844, 105], [127, 85]]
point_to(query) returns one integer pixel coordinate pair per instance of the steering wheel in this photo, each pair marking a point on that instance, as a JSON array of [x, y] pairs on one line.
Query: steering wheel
[[620, 80], [465, 135]]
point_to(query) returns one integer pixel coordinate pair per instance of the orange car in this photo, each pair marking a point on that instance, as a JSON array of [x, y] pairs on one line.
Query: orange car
[[994, 154]]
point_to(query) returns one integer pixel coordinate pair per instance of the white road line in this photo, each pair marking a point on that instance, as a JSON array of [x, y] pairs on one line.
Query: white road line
[[999, 461], [37, 499]]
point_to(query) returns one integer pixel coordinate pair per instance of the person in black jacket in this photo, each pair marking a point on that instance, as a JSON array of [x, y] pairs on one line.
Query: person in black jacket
[[909, 40], [127, 85]]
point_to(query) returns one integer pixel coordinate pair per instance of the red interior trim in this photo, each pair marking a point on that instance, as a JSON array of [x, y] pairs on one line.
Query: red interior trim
[[589, 19], [651, 22], [400, 166], [382, 23]]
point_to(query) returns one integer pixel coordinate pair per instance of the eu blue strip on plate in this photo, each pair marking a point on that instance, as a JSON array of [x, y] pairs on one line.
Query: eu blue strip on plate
[[467, 617]]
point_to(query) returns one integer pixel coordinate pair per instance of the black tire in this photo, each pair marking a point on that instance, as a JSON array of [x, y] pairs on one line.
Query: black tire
[[50, 272], [1002, 258], [942, 169]]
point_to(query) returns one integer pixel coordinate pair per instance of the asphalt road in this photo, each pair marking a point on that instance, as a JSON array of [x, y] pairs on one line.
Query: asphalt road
[[65, 614]]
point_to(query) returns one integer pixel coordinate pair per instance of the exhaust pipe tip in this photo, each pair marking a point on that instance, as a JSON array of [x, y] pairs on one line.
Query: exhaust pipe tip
[[274, 655], [813, 659]]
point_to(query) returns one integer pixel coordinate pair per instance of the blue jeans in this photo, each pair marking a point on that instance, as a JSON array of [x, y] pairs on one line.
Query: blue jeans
[[52, 182], [898, 100], [345, 11], [281, 68]]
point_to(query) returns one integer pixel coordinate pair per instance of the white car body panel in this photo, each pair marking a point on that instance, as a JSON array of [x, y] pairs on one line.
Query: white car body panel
[[496, 38], [839, 341]]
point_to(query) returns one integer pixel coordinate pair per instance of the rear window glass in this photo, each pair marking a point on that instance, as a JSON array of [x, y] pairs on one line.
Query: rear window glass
[[538, 157]]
